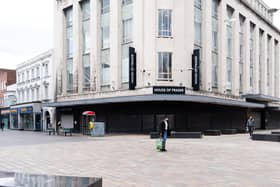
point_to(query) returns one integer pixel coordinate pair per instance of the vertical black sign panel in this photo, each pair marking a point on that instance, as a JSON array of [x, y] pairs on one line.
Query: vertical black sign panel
[[195, 69], [132, 68]]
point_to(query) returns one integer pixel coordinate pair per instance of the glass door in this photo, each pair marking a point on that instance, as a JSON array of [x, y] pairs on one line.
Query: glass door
[[38, 125]]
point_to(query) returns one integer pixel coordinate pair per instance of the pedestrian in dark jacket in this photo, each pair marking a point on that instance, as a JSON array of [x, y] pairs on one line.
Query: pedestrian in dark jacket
[[251, 125], [163, 133], [2, 126]]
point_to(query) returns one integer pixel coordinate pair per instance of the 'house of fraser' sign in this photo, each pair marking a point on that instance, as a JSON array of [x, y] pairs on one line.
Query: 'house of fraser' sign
[[169, 90]]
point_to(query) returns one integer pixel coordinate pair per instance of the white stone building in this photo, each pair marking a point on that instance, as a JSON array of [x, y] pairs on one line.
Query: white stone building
[[10, 97], [234, 42], [34, 89]]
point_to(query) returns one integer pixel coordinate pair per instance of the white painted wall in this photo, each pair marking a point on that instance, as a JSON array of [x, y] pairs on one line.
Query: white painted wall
[[39, 81], [148, 44]]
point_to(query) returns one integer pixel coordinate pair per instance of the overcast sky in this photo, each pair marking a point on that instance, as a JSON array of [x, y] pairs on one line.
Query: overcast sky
[[26, 28]]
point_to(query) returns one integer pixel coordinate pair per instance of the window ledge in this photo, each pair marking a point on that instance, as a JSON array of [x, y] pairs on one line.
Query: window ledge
[[165, 37], [165, 80]]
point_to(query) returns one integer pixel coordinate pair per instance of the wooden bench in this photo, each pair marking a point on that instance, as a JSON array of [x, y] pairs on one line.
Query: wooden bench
[[186, 135], [241, 130], [229, 131], [275, 132], [51, 131], [67, 131], [266, 137], [154, 135], [212, 133]]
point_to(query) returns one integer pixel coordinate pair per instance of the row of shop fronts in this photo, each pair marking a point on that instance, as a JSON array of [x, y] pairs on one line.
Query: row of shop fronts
[[142, 114], [28, 116]]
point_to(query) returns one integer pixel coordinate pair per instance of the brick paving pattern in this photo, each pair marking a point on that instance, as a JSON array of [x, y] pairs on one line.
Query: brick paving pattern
[[131, 160]]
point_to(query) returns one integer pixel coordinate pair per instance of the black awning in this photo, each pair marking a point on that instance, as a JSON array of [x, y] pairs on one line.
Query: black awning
[[261, 98], [158, 98]]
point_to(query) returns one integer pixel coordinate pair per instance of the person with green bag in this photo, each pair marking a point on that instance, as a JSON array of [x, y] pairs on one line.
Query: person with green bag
[[159, 144], [164, 125]]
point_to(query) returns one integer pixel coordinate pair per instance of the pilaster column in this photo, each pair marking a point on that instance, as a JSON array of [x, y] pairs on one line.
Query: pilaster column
[[222, 51], [150, 28], [95, 45], [59, 52], [264, 65], [207, 46], [277, 70], [76, 47], [236, 55], [256, 60], [272, 68], [138, 40], [115, 44], [247, 56]]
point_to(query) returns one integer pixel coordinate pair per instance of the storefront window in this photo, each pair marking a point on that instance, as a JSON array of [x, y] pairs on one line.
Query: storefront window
[[5, 120], [27, 120], [14, 121]]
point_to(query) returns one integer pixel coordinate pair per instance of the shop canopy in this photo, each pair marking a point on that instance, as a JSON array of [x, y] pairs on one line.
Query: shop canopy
[[88, 113], [160, 98]]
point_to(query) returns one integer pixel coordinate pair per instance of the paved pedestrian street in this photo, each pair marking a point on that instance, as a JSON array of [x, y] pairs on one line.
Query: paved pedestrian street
[[131, 160]]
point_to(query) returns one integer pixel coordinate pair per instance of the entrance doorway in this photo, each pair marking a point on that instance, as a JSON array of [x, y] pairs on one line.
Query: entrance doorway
[[38, 122], [48, 120]]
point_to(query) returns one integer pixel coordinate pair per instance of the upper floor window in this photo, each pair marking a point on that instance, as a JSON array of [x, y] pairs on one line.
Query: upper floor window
[[229, 40], [85, 5], [197, 3], [252, 47], [69, 48], [197, 22], [105, 6], [215, 29], [32, 73], [127, 21], [46, 69], [268, 59], [38, 72], [126, 2], [165, 66], [69, 29], [164, 25], [27, 75], [105, 24]]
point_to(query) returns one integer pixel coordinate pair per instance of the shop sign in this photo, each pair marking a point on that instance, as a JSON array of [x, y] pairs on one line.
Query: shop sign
[[170, 90], [4, 112], [26, 110], [195, 69], [132, 68], [14, 111]]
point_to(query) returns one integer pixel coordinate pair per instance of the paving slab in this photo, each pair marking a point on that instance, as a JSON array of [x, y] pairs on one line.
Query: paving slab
[[131, 160]]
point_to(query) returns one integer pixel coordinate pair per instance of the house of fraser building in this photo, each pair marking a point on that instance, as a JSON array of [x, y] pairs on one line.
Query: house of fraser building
[[206, 64]]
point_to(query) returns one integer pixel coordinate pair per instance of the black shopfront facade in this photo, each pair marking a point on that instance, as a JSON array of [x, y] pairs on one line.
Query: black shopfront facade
[[142, 114]]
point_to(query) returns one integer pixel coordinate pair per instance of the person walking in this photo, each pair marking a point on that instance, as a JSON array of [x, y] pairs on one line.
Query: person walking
[[164, 125], [91, 128], [2, 126], [251, 125]]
